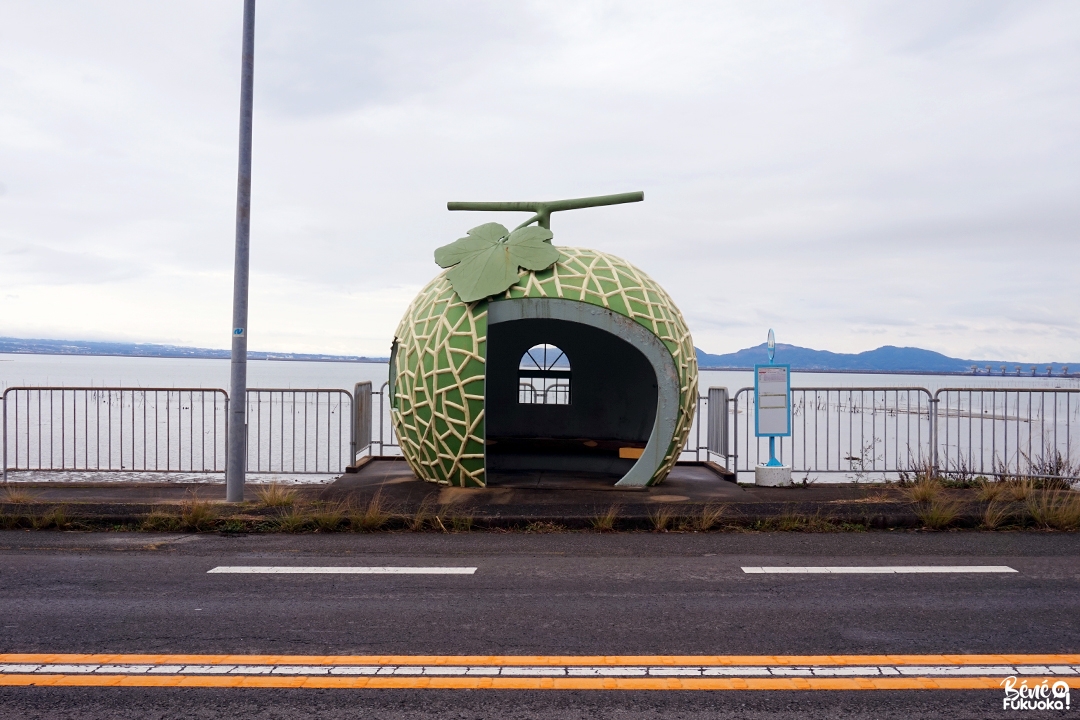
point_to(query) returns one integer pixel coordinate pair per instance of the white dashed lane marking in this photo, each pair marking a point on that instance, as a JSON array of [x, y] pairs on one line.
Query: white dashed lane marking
[[878, 569], [339, 570]]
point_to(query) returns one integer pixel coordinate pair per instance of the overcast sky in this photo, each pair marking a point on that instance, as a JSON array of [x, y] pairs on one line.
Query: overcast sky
[[850, 174]]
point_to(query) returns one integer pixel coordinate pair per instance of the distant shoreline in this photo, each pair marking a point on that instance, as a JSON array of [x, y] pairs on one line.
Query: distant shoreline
[[384, 361], [258, 356], [885, 360]]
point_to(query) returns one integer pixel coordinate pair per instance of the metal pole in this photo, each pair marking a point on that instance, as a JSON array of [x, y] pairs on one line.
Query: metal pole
[[3, 405], [237, 451]]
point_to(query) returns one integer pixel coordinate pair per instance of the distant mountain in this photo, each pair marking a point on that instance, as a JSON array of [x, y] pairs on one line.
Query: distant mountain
[[82, 347], [887, 359]]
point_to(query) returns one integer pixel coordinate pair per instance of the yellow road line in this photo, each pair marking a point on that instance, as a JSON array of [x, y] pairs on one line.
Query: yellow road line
[[500, 683], [540, 660]]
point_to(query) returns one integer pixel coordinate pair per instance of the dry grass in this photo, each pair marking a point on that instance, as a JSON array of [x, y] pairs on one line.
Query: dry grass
[[373, 517], [161, 520], [605, 522], [995, 515], [422, 517], [197, 514], [710, 517], [790, 521], [1056, 509], [328, 517], [1019, 489], [461, 523], [938, 512], [276, 495], [292, 519], [878, 497], [660, 518], [991, 490], [925, 489], [56, 518], [16, 495], [787, 522]]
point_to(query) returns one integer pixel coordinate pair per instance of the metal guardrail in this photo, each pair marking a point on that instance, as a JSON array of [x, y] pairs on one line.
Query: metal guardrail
[[886, 432], [855, 431], [859, 432], [1007, 432], [114, 429], [290, 431], [299, 431]]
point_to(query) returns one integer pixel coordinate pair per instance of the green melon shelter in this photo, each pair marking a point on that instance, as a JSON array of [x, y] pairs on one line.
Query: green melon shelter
[[585, 366]]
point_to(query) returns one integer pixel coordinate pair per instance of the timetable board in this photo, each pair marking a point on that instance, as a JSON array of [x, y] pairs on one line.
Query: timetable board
[[772, 400]]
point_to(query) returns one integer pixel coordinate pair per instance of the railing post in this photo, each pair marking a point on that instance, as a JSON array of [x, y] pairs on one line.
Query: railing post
[[700, 422], [382, 443], [364, 408], [735, 434], [934, 464], [3, 409], [355, 418]]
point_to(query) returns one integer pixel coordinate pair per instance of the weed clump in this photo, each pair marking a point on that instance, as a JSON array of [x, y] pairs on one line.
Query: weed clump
[[422, 517], [995, 515], [292, 519], [660, 518], [605, 522], [461, 523], [56, 518], [161, 520], [197, 514], [373, 517], [16, 495], [1055, 509], [328, 517], [925, 489], [709, 518], [937, 513], [990, 490], [1018, 489], [276, 495]]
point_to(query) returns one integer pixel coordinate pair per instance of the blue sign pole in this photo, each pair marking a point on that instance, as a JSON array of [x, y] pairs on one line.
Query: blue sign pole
[[773, 462]]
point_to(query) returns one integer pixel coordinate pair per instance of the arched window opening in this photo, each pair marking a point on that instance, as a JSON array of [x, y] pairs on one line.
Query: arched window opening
[[544, 377]]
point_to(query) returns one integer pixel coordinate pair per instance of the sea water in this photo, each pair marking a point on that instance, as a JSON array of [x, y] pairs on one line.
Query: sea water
[[151, 372]]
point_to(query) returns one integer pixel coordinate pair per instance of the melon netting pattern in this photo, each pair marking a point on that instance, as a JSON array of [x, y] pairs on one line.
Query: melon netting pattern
[[438, 403]]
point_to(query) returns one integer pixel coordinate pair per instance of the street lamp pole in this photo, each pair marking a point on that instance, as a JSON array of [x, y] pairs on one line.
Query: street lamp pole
[[236, 465]]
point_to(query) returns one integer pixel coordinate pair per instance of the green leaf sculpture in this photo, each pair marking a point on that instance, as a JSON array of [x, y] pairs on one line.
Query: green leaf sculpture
[[488, 257]]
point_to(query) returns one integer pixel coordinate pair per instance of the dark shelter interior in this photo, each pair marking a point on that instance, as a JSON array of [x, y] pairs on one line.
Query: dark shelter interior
[[597, 426]]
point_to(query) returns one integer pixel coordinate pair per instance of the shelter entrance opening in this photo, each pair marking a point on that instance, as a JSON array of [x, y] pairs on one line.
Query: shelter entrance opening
[[564, 399]]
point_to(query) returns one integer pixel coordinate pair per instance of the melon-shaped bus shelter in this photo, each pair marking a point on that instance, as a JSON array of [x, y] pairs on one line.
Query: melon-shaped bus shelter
[[473, 398]]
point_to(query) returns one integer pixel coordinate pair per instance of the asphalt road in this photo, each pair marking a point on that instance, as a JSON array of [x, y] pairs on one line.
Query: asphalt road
[[557, 594]]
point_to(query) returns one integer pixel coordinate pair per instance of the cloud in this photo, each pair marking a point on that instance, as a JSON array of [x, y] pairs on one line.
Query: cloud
[[851, 174]]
